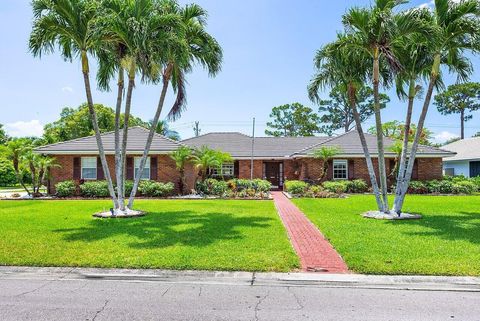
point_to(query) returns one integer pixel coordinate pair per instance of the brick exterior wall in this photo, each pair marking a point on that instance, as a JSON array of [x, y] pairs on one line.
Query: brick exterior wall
[[294, 169], [166, 170]]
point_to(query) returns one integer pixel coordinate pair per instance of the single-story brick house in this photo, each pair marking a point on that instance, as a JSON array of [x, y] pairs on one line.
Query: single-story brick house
[[275, 159]]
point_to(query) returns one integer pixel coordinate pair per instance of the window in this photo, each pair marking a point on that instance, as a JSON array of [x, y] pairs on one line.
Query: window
[[226, 170], [146, 169], [89, 168], [340, 169]]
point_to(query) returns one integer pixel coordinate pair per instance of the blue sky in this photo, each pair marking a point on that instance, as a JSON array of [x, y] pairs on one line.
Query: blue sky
[[268, 51]]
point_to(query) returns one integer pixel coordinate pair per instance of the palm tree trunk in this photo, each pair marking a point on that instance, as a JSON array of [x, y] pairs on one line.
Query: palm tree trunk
[[378, 123], [118, 154], [166, 80], [421, 122], [126, 120], [403, 157], [368, 157], [462, 124], [98, 137]]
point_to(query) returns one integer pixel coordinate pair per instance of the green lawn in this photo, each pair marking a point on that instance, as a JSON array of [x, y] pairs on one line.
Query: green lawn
[[445, 242], [210, 235]]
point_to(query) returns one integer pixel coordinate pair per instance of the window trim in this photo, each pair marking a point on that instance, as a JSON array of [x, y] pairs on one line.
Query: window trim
[[231, 172], [82, 167], [148, 162], [342, 162]]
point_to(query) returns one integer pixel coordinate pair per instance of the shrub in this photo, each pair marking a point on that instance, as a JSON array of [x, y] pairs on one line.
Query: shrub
[[464, 187], [66, 188], [94, 189], [7, 173], [417, 187], [128, 188], [357, 186], [155, 189], [261, 185], [296, 187], [338, 187]]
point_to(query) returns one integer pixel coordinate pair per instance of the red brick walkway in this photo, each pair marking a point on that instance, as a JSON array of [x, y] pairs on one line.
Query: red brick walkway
[[315, 252]]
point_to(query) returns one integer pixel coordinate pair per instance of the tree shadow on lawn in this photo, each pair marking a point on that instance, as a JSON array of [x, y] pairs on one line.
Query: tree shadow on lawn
[[160, 230], [461, 226]]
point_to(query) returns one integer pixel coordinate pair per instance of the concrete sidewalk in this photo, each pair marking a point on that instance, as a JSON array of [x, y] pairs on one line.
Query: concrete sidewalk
[[425, 283]]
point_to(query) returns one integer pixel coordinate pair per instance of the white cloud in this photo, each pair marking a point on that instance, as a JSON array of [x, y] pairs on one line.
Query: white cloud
[[443, 136], [428, 5], [67, 89], [24, 128]]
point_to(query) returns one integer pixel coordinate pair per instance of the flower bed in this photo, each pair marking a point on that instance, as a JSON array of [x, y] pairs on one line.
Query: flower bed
[[235, 188]]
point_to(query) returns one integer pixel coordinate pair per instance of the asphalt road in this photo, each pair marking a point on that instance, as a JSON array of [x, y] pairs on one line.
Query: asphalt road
[[37, 297]]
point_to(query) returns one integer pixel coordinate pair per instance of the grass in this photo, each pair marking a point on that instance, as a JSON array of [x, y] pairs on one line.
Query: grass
[[176, 234], [446, 241]]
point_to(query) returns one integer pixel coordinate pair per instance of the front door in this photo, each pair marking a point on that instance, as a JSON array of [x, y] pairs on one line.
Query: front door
[[474, 169], [272, 173]]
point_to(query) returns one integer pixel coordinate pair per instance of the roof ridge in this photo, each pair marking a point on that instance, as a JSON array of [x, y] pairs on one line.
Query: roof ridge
[[159, 135], [321, 143], [211, 133]]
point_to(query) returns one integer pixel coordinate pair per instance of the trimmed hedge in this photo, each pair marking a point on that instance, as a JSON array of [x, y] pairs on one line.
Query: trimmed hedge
[[449, 185], [155, 189], [302, 189], [94, 189], [66, 188], [234, 188]]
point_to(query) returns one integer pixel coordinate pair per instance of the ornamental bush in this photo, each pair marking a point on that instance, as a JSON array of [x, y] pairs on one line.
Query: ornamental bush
[[94, 189], [338, 187], [65, 188], [357, 186], [296, 187], [155, 189], [417, 187]]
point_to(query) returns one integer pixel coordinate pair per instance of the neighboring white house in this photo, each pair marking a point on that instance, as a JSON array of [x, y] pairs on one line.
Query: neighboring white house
[[466, 161]]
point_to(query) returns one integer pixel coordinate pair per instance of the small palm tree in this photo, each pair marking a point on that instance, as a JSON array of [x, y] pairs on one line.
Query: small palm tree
[[326, 154], [15, 150], [205, 159], [68, 25], [182, 156]]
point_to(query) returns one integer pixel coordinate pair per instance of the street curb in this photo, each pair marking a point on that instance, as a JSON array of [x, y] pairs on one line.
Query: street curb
[[388, 282]]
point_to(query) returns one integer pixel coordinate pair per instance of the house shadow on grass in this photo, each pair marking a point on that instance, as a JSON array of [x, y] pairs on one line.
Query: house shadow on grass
[[160, 230], [461, 226]]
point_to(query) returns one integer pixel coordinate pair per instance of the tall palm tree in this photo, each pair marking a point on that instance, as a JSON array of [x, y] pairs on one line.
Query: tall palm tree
[[68, 25], [190, 44], [457, 30], [124, 28], [181, 157], [333, 63], [375, 31]]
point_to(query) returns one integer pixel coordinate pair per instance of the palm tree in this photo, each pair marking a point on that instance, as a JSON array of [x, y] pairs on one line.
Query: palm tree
[[456, 31], [204, 159], [163, 128], [333, 63], [68, 25], [376, 31], [325, 154], [124, 28], [190, 44], [15, 150], [181, 157]]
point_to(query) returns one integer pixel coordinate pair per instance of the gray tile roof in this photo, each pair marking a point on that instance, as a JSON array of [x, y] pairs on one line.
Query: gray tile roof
[[466, 149], [350, 144], [240, 145], [137, 138]]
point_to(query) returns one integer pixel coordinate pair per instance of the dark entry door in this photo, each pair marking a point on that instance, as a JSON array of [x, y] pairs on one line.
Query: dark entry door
[[272, 173], [474, 169]]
